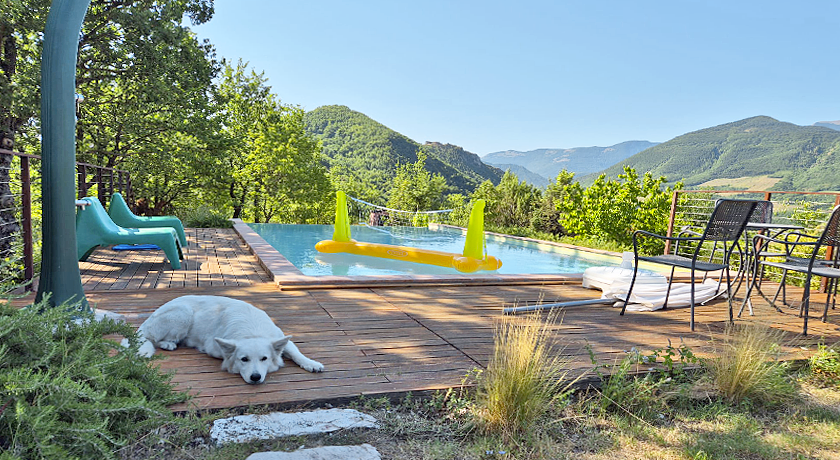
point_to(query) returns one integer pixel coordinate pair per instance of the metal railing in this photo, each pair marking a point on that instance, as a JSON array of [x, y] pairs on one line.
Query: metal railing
[[20, 206], [809, 209]]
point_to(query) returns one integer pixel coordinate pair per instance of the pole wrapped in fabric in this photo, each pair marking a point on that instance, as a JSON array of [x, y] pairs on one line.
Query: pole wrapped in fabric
[[60, 279]]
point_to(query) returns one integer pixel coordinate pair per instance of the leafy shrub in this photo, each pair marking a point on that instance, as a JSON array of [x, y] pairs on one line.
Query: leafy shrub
[[825, 366], [664, 358], [647, 392], [747, 366], [205, 217], [525, 377], [614, 209], [512, 203], [808, 215], [68, 392]]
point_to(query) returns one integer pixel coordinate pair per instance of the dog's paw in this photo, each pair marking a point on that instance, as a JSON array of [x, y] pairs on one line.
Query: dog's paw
[[167, 345], [312, 366]]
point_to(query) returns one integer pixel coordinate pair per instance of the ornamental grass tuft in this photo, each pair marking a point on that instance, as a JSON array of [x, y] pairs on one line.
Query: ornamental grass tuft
[[525, 378], [747, 366]]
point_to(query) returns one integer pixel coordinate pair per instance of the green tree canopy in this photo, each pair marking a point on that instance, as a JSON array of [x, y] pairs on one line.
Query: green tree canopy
[[614, 209], [510, 204], [416, 189], [272, 169]]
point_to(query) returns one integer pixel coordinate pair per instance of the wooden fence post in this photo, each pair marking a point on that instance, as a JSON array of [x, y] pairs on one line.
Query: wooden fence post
[[671, 218], [26, 222], [82, 181]]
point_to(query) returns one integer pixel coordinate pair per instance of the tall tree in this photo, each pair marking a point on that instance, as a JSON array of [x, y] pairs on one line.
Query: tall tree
[[547, 217], [511, 203], [145, 80], [287, 182], [131, 53], [144, 76], [272, 164], [416, 189], [21, 24]]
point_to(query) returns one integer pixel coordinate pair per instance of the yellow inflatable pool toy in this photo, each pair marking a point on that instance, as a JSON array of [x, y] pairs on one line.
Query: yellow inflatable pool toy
[[473, 258]]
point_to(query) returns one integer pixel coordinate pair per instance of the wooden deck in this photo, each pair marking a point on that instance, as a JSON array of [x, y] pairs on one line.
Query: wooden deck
[[381, 340], [214, 257]]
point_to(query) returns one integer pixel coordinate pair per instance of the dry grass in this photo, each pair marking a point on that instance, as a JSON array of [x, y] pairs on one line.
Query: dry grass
[[743, 183]]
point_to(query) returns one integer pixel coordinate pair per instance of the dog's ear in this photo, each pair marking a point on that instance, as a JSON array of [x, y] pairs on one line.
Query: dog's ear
[[279, 344], [227, 346]]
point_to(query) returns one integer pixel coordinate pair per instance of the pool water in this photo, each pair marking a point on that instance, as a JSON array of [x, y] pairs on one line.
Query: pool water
[[297, 244]]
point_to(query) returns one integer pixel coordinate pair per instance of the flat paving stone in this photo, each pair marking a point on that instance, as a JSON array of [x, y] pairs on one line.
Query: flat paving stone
[[246, 428], [362, 452]]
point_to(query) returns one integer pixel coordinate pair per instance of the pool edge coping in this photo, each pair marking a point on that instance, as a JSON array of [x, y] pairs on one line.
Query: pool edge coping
[[288, 277]]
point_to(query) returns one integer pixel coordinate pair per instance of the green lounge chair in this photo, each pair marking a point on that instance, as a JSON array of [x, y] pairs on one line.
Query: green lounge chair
[[122, 216], [95, 228]]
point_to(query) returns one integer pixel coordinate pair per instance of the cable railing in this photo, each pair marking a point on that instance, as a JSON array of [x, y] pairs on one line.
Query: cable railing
[[20, 210], [810, 210]]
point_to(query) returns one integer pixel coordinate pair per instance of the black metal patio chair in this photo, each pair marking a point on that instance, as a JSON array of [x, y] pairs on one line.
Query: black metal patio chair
[[762, 214], [725, 226], [813, 265]]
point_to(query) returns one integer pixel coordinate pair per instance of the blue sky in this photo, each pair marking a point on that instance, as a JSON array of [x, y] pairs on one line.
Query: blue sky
[[521, 75]]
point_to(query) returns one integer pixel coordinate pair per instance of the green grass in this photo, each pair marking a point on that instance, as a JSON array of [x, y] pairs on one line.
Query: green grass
[[437, 427]]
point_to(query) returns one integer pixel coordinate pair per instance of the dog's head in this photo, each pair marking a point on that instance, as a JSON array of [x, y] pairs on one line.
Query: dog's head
[[252, 358]]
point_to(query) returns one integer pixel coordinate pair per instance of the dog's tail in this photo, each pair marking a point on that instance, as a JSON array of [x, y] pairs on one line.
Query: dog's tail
[[147, 348]]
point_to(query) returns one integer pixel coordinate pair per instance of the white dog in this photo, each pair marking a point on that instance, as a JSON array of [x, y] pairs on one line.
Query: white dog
[[242, 335]]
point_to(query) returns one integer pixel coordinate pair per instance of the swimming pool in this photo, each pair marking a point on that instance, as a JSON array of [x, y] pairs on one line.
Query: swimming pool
[[296, 243]]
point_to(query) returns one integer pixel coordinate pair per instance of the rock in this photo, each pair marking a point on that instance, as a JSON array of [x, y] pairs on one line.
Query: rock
[[363, 452], [246, 428]]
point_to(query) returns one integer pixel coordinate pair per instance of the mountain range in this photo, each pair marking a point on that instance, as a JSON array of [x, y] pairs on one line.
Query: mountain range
[[581, 160], [758, 153], [829, 124], [370, 152]]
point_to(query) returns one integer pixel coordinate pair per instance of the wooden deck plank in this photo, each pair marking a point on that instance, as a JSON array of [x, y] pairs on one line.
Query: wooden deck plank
[[377, 340]]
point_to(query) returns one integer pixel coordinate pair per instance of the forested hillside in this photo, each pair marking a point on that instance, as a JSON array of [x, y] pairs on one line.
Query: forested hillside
[[366, 153], [803, 158], [467, 163], [580, 160], [525, 174]]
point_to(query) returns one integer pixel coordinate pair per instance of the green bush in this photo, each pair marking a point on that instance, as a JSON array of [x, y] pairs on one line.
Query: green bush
[[613, 210], [825, 366], [205, 217], [67, 391]]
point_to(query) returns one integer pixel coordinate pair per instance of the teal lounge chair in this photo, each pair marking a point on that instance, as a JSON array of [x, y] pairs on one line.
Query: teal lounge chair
[[95, 228], [122, 216]]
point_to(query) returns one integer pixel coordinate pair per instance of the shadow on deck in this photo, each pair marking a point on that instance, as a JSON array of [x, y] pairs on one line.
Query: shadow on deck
[[383, 340]]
